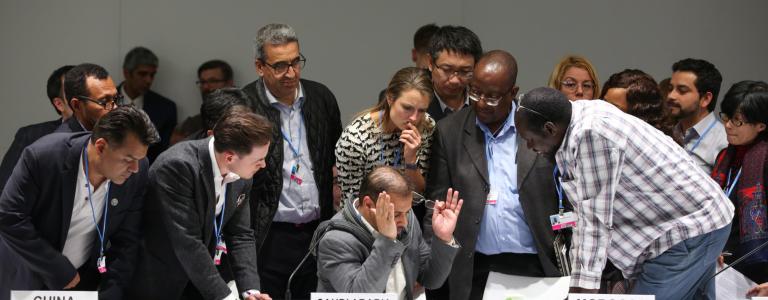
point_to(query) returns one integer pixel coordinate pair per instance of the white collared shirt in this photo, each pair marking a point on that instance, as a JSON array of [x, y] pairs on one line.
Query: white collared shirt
[[712, 141], [443, 106], [219, 181], [137, 102], [81, 236]]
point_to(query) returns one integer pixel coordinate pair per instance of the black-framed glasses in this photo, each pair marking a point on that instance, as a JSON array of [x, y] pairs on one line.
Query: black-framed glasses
[[108, 102], [725, 119], [209, 81], [281, 67], [449, 72], [572, 85], [419, 199]]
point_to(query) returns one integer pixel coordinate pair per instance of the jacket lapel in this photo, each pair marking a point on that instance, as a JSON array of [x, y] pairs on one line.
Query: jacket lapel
[[474, 144], [208, 204], [526, 159]]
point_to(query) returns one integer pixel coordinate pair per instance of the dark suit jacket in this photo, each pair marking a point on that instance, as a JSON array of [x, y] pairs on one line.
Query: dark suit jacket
[[458, 161], [178, 227], [71, 125], [24, 137], [36, 210], [162, 113]]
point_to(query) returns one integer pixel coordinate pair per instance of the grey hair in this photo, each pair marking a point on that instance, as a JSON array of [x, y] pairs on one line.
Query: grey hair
[[275, 34], [139, 56]]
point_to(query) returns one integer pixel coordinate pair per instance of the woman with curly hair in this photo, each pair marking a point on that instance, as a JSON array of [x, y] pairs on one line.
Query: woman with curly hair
[[636, 93]]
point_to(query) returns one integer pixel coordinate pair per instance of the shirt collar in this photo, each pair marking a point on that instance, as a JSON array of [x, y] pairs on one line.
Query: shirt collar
[[365, 222], [231, 176], [443, 106], [507, 127], [703, 124], [273, 100], [138, 98]]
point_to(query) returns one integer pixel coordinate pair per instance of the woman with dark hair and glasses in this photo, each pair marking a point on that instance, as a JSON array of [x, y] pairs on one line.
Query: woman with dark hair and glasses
[[396, 132], [741, 169]]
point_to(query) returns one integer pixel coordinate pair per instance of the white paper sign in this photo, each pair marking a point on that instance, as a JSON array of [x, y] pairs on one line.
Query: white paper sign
[[732, 285], [503, 286], [53, 295], [354, 296], [609, 297]]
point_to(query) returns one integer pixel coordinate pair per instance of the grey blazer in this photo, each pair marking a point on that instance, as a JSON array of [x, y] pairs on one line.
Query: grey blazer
[[458, 161], [178, 227], [345, 264]]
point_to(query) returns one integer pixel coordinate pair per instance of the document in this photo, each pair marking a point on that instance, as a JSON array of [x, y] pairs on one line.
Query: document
[[732, 285], [512, 287]]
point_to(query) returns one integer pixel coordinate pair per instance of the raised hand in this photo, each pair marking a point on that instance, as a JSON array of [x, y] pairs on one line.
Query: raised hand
[[445, 215], [411, 140], [385, 216]]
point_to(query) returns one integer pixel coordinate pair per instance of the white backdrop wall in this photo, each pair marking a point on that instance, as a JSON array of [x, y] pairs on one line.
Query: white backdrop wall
[[355, 46]]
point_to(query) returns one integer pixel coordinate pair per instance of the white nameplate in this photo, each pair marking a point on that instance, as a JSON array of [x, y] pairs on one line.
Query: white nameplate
[[53, 295], [353, 296], [609, 297]]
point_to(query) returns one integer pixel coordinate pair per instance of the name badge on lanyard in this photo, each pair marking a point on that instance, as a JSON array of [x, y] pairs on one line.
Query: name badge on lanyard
[[493, 197], [562, 219]]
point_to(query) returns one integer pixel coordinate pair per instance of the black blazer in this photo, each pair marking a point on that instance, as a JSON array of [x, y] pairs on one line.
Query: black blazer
[[71, 125], [458, 160], [36, 210], [24, 137], [178, 226], [162, 113]]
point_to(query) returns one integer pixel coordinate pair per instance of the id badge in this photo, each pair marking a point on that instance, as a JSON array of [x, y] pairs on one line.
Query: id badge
[[221, 248], [101, 264], [493, 198], [562, 221]]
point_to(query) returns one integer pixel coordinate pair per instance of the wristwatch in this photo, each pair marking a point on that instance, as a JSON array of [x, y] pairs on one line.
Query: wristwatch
[[413, 166]]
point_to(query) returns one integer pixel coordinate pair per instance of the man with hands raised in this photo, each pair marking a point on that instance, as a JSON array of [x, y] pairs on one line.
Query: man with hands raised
[[391, 255]]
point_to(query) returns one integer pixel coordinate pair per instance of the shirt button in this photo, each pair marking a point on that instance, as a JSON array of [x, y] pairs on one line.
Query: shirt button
[[477, 221]]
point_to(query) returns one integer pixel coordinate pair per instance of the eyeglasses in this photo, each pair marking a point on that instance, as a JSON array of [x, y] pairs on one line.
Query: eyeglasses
[[572, 85], [474, 95], [725, 118], [519, 107], [108, 102], [281, 67], [419, 199], [210, 81], [449, 72]]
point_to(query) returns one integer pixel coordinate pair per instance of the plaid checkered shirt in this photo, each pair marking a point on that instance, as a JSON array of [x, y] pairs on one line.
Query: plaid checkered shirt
[[635, 191]]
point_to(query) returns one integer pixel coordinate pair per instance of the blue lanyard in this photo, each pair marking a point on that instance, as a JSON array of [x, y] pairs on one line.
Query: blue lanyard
[[296, 150], [101, 231], [396, 162], [217, 227], [559, 189], [701, 137], [730, 185]]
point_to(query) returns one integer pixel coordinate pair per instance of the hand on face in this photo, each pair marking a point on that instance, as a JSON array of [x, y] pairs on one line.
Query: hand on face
[[445, 215], [385, 216], [411, 140]]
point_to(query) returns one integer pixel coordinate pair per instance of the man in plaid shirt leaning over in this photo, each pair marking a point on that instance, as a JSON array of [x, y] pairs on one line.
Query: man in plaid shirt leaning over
[[640, 199]]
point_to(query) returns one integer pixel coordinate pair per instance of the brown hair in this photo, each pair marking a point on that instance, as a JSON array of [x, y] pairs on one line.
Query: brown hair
[[406, 79], [240, 131], [556, 78]]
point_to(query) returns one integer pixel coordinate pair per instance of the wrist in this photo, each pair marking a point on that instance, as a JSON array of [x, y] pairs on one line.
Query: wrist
[[411, 166]]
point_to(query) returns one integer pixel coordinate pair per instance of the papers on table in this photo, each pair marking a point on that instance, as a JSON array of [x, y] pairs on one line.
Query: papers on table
[[732, 285]]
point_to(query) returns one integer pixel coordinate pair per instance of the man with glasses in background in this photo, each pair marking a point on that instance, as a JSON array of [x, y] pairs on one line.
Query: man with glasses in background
[[139, 69], [211, 75], [91, 93], [295, 190], [454, 50], [508, 190]]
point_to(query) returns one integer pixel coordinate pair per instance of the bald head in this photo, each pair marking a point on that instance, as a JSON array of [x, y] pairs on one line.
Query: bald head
[[497, 63]]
